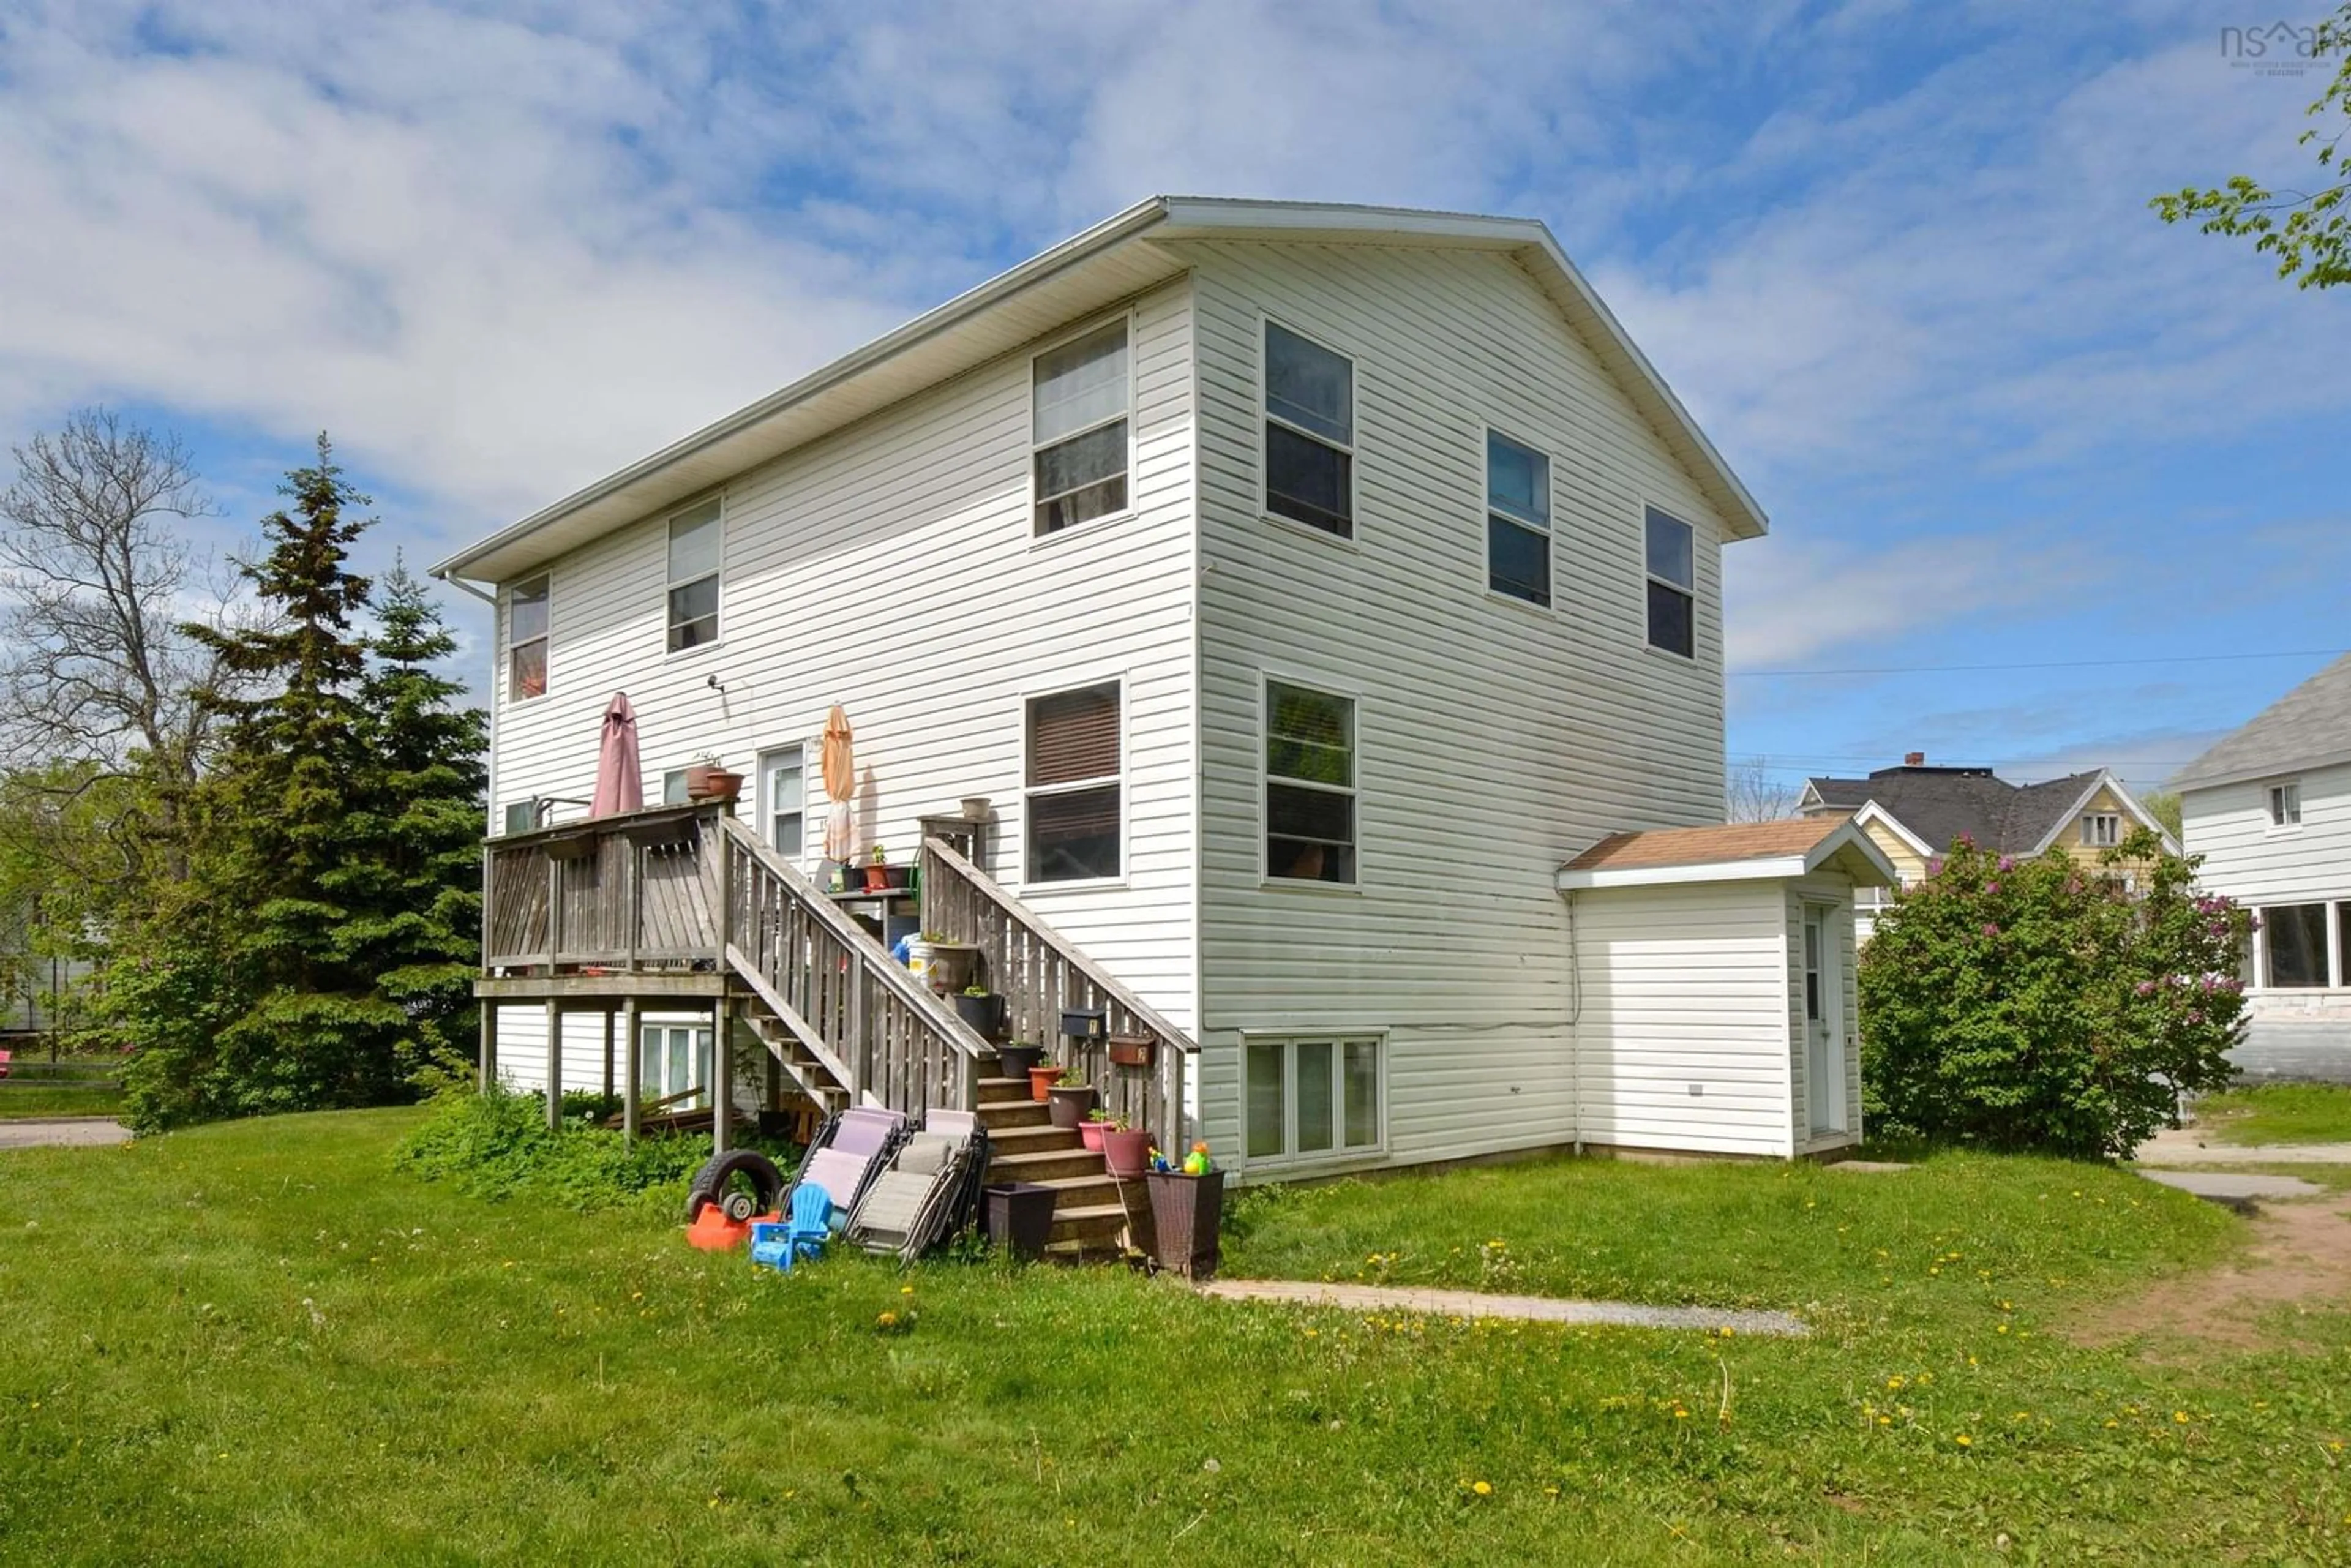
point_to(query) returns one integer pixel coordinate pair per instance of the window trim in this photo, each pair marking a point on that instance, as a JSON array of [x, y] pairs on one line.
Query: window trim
[[2273, 792], [1026, 694], [1134, 390], [1265, 415], [1340, 1154], [2108, 823], [2336, 957], [1549, 528], [1649, 640], [1267, 678], [716, 574], [678, 773], [545, 583]]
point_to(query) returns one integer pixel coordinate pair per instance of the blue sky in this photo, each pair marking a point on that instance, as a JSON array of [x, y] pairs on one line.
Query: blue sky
[[1895, 259]]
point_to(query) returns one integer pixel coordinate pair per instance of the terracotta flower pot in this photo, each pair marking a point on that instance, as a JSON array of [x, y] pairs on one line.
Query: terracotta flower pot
[[877, 878], [1128, 1154], [1040, 1083], [708, 781]]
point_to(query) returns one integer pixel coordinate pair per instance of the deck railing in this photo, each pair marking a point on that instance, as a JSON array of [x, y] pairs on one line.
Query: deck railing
[[681, 889], [1042, 976]]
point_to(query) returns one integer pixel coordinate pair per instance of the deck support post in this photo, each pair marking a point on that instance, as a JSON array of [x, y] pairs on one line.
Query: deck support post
[[632, 1089], [489, 1020], [554, 1066], [608, 1054], [722, 1075]]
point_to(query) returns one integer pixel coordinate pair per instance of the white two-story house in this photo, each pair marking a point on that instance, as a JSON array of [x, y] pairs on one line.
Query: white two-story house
[[1301, 589], [2269, 810]]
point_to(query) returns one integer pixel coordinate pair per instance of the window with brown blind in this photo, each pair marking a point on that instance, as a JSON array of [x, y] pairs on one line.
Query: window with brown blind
[[1072, 785]]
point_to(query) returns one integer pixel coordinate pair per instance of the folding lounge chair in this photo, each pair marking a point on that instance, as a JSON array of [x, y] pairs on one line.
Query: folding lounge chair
[[929, 1192], [848, 1150]]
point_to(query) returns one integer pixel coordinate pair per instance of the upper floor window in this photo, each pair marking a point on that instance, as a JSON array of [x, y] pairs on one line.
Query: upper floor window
[[1079, 429], [1310, 432], [526, 640], [1310, 785], [2101, 830], [2286, 805], [1518, 520], [695, 544], [1072, 785], [1673, 585]]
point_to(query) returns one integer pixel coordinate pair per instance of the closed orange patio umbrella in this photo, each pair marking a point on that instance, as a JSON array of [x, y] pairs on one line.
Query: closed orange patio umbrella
[[839, 779]]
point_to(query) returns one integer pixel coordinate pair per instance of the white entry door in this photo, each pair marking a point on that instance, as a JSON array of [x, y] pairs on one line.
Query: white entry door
[[1824, 1030], [783, 806]]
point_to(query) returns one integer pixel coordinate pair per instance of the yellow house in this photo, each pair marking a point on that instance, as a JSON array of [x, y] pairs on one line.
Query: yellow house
[[1916, 812]]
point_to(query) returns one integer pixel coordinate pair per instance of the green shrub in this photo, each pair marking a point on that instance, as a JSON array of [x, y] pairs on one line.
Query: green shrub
[[2032, 1004], [498, 1146]]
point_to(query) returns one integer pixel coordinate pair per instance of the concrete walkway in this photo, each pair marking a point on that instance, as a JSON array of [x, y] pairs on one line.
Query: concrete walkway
[[62, 1132], [1475, 1304], [2182, 1146], [2241, 1190]]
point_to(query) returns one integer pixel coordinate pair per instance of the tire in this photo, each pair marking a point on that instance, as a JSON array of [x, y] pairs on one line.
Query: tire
[[717, 1182]]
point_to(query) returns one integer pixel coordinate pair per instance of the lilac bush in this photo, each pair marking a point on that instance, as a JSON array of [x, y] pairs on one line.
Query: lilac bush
[[2037, 1003]]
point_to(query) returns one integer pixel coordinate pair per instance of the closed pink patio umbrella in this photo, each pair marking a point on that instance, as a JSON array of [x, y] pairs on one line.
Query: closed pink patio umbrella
[[619, 780]]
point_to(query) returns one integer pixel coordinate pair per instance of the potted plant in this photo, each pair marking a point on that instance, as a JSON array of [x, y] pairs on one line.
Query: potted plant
[[707, 781], [982, 1009], [1126, 1151], [877, 871], [1090, 1129], [1070, 1099], [1019, 1216], [1041, 1079], [1018, 1057]]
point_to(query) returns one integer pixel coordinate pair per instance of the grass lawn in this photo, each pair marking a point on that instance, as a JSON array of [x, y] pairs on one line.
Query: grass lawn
[[261, 1343], [2277, 1113], [20, 1100]]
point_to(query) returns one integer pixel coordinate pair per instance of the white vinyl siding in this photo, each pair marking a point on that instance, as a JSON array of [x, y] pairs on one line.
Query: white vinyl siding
[[890, 567], [1491, 743]]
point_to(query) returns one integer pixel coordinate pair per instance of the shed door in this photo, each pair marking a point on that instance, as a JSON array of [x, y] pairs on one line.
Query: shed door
[[1823, 1039]]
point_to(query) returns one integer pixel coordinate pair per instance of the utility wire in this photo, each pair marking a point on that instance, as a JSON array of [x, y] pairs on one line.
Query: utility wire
[[2052, 664]]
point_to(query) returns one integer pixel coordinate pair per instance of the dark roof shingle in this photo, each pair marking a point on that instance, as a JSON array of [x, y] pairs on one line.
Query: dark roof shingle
[[2311, 722]]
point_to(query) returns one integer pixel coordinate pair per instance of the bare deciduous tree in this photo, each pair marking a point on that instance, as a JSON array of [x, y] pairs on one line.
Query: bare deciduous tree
[[1752, 792], [97, 579]]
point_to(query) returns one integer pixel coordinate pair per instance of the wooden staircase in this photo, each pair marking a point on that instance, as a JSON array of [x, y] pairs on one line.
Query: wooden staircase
[[1088, 1217]]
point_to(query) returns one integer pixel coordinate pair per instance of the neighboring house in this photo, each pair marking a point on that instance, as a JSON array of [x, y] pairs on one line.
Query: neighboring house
[[1302, 587], [2269, 810], [1916, 812]]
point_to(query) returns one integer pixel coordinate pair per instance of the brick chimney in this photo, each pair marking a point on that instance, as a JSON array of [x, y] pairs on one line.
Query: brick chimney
[[1913, 760]]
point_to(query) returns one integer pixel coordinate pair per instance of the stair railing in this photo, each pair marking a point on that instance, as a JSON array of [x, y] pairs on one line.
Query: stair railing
[[877, 1029], [1042, 975]]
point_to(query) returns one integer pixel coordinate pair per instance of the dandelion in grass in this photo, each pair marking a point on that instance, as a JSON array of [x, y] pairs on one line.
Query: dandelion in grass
[[1964, 1441]]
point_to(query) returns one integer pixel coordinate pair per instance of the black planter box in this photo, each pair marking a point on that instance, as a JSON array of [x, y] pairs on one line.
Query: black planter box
[[1018, 1059], [984, 1014], [1020, 1217], [1184, 1213]]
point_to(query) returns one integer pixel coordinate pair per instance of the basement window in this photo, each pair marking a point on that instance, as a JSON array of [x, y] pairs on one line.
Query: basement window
[[1310, 432], [695, 544], [1313, 1098], [1074, 790], [2293, 943], [1079, 429]]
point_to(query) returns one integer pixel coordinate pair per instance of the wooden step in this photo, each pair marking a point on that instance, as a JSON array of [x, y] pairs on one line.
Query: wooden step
[[996, 1090], [1044, 1165], [1092, 1190], [1093, 1227], [1014, 1113], [1030, 1140]]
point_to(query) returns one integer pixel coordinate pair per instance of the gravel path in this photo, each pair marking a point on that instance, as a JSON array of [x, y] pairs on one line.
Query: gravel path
[[2179, 1146], [65, 1131], [1474, 1304]]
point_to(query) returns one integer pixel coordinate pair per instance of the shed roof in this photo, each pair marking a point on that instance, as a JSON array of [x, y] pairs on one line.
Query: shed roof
[[1730, 851], [2310, 726], [1114, 260]]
